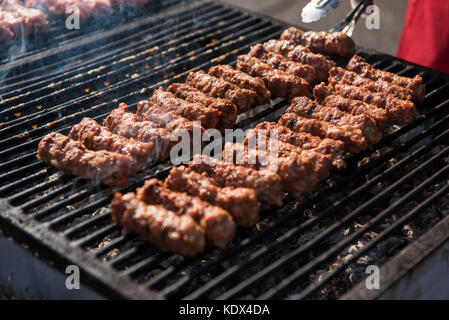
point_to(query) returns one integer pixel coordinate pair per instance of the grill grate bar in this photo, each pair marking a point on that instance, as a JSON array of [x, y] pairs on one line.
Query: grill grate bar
[[282, 287], [235, 270], [295, 254]]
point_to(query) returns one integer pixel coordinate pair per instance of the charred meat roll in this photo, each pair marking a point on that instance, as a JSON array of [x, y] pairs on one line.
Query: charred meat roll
[[112, 169], [191, 111], [161, 227], [219, 88], [326, 96], [243, 80], [336, 43], [307, 108], [302, 55], [124, 123], [298, 172], [352, 137], [337, 75], [96, 137], [174, 123], [280, 83], [227, 109], [278, 61], [334, 148], [266, 184], [364, 69], [242, 203], [399, 111], [216, 222]]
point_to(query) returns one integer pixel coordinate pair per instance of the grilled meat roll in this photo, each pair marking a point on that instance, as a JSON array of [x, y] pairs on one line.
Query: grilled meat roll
[[219, 88], [352, 137], [216, 222], [399, 111], [242, 203], [266, 184], [336, 43], [124, 123], [334, 148], [326, 96], [112, 169], [280, 83], [227, 109], [302, 55], [191, 111], [242, 80], [278, 61], [174, 123], [364, 69], [305, 107], [96, 137], [337, 75], [162, 227], [298, 172]]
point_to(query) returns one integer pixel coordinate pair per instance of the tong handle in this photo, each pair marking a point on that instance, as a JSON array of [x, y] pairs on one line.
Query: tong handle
[[348, 23]]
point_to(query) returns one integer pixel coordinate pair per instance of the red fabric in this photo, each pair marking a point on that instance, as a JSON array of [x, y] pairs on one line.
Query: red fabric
[[425, 39]]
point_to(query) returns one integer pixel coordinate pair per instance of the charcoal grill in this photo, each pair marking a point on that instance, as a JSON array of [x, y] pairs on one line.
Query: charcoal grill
[[389, 203]]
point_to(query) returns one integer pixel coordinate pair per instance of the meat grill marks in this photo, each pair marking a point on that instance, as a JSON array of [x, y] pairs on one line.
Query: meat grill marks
[[278, 61], [242, 203], [337, 75], [124, 123], [281, 84], [326, 96], [161, 227], [298, 172], [364, 69], [227, 109], [96, 137], [174, 123], [17, 20], [399, 111], [334, 148], [336, 43], [217, 223], [191, 111], [352, 137], [302, 55], [73, 157], [305, 107], [266, 184], [243, 80], [218, 88]]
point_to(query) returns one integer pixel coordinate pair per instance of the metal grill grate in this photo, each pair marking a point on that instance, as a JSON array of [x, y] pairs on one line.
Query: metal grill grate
[[310, 248]]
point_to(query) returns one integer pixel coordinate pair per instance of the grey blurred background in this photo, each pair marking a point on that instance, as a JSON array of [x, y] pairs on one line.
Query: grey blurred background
[[386, 39]]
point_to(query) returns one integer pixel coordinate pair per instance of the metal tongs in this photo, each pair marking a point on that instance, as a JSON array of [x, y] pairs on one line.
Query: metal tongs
[[347, 24], [317, 9]]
